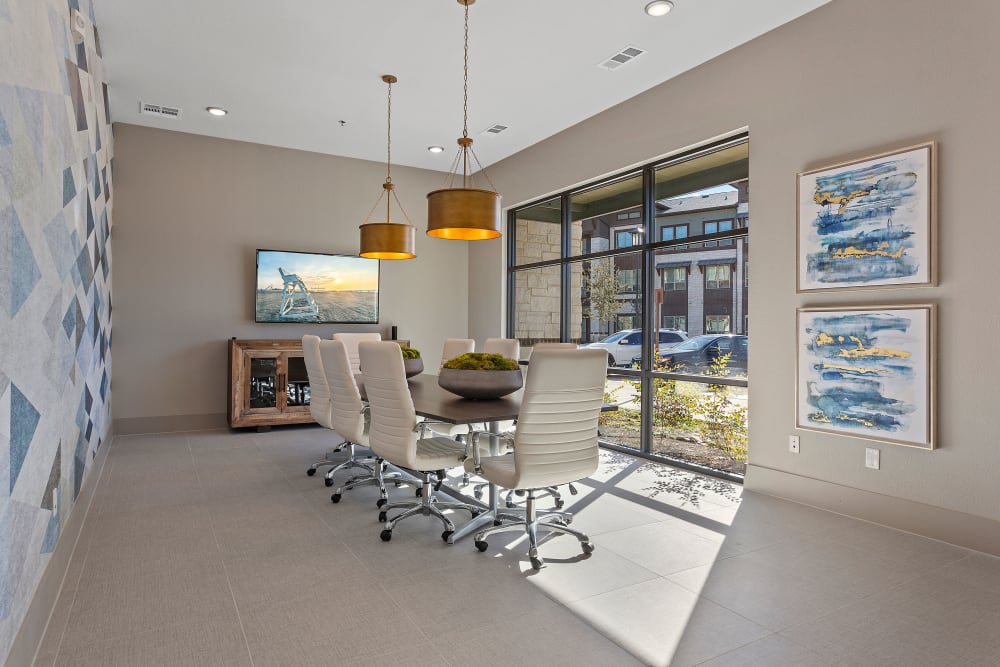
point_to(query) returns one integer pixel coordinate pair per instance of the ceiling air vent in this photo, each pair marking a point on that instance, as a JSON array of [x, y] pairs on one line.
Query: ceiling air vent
[[495, 129], [628, 54], [147, 109]]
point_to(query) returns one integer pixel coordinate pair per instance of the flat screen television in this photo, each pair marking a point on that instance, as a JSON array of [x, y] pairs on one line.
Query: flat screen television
[[315, 287]]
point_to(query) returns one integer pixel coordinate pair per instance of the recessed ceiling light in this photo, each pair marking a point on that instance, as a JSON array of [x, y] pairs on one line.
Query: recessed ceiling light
[[659, 7], [216, 111], [436, 149]]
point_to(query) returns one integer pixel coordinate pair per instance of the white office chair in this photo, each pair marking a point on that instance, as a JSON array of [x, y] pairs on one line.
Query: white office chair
[[507, 347], [396, 436], [555, 441], [319, 399], [350, 341], [456, 347], [349, 416]]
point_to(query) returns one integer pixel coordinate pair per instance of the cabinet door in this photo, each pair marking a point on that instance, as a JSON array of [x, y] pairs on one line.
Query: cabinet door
[[295, 384], [262, 371]]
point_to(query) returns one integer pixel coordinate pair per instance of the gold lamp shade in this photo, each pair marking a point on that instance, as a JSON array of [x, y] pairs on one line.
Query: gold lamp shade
[[463, 214], [388, 240]]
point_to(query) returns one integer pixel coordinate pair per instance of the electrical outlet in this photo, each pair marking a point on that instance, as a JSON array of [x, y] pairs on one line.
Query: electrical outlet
[[793, 444], [871, 458]]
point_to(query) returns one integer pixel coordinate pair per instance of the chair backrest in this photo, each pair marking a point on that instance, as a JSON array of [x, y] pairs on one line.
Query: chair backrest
[[346, 407], [392, 434], [556, 437], [456, 347], [319, 391], [351, 341], [553, 346], [508, 347]]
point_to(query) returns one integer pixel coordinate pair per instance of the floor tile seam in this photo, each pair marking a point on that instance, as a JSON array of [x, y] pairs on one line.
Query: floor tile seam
[[639, 565], [810, 651], [225, 569]]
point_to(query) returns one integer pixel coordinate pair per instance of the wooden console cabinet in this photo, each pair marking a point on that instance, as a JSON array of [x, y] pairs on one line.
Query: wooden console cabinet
[[268, 383]]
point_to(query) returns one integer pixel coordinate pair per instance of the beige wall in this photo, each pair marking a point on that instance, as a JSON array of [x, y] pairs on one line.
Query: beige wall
[[851, 78], [191, 211]]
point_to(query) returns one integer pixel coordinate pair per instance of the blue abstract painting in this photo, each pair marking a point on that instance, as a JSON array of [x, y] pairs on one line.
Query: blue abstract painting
[[867, 223], [865, 372]]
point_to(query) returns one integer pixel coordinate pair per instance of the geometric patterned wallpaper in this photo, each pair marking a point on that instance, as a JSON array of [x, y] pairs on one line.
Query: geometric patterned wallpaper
[[55, 282]]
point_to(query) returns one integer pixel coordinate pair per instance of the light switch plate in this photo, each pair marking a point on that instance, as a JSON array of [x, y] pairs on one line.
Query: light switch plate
[[872, 458]]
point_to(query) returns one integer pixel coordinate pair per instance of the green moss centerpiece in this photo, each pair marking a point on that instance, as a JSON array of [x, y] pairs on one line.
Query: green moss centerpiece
[[480, 376], [412, 362]]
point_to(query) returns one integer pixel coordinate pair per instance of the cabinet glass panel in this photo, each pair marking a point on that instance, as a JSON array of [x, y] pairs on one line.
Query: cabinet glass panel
[[298, 383], [263, 383]]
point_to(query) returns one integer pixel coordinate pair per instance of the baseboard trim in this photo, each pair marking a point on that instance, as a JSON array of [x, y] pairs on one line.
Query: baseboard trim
[[29, 636], [964, 530], [169, 424]]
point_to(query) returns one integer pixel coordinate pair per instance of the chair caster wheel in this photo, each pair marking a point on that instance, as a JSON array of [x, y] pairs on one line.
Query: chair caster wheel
[[560, 504], [446, 534], [510, 504], [497, 522], [311, 472], [381, 517], [381, 502], [481, 545], [398, 483], [335, 498], [328, 481], [587, 547], [478, 494], [536, 563], [386, 535], [419, 492]]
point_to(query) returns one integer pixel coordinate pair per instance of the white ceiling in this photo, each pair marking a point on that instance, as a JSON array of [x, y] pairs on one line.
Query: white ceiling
[[289, 71]]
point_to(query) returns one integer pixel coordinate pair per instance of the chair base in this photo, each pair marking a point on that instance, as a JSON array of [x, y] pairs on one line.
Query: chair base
[[427, 506], [378, 474], [328, 459], [554, 522]]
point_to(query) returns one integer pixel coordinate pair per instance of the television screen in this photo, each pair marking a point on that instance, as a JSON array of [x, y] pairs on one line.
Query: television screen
[[312, 287]]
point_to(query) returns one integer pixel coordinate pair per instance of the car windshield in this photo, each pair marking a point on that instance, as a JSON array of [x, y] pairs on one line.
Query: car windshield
[[695, 343], [615, 337]]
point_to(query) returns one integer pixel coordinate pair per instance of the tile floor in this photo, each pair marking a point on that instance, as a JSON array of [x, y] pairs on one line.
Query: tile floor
[[214, 548]]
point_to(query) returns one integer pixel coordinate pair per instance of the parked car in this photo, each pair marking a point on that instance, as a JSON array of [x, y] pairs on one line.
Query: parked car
[[695, 355], [625, 345]]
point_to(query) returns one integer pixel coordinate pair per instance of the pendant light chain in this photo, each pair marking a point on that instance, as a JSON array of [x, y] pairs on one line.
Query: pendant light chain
[[388, 138], [465, 85]]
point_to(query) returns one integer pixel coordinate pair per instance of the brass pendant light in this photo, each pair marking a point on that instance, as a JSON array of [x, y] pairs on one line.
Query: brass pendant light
[[464, 213], [388, 240]]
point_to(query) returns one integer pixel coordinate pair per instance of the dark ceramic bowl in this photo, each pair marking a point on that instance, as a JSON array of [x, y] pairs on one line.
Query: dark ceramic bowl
[[480, 385], [413, 366]]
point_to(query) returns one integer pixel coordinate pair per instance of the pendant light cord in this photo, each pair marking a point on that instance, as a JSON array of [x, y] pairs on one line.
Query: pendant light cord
[[465, 84], [388, 187]]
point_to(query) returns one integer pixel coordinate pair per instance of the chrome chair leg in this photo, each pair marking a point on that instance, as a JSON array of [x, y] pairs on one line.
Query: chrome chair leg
[[327, 460], [428, 505], [378, 476]]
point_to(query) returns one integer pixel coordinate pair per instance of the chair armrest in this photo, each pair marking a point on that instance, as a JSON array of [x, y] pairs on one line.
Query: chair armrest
[[422, 426], [473, 444]]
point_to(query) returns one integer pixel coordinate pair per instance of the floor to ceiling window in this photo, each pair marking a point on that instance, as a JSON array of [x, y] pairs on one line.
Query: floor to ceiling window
[[663, 249]]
